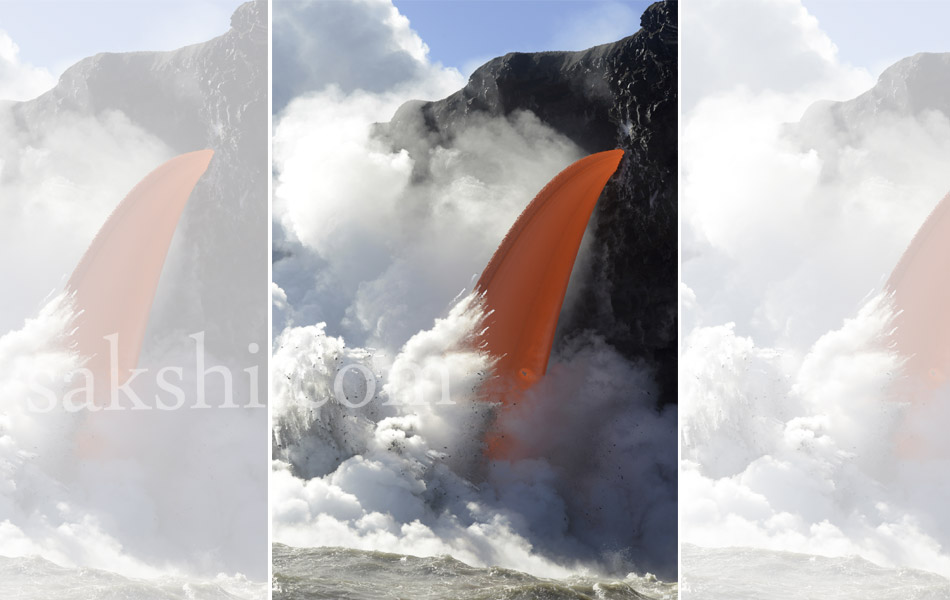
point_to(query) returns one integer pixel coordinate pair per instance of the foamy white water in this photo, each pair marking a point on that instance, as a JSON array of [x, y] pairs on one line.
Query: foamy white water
[[753, 573]]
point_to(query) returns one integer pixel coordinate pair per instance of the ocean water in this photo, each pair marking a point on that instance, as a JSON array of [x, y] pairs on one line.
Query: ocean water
[[35, 578], [344, 573], [754, 573]]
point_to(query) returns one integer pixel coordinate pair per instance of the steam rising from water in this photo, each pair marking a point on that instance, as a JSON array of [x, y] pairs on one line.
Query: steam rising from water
[[123, 491], [406, 472], [373, 245], [792, 403], [803, 454]]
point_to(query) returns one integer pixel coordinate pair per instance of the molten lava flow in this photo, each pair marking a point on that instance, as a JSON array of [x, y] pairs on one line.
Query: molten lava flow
[[922, 294], [526, 279], [921, 291], [115, 282]]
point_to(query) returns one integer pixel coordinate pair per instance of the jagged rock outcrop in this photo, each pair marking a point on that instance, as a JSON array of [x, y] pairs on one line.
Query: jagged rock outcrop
[[910, 86], [916, 87], [618, 95]]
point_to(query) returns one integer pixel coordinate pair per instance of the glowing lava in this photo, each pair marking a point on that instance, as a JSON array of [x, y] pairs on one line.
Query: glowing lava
[[921, 292], [526, 279], [115, 282]]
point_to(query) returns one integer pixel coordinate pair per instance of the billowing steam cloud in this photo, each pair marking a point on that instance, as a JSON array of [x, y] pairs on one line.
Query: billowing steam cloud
[[59, 182], [125, 491], [791, 223], [58, 185], [372, 250], [18, 80], [79, 490]]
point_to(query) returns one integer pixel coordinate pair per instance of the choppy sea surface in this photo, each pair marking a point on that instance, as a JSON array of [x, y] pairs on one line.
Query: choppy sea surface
[[34, 578], [347, 574], [754, 574]]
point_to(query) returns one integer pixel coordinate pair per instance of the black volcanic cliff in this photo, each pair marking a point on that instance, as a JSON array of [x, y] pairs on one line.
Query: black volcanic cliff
[[910, 86], [916, 87], [618, 95]]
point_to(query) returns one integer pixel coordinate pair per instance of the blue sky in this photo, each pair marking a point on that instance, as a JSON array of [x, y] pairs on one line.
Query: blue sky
[[459, 33], [869, 33], [876, 33], [464, 33], [54, 34]]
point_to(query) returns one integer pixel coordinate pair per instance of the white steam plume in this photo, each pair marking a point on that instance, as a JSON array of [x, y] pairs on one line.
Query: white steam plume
[[791, 224]]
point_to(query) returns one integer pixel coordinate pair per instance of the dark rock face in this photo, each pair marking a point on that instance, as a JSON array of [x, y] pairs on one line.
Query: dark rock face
[[916, 87], [208, 95], [908, 87], [618, 95]]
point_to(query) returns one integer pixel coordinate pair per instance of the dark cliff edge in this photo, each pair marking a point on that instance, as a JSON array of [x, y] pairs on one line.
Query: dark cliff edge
[[911, 86], [618, 95], [915, 87]]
